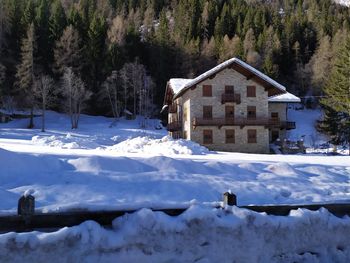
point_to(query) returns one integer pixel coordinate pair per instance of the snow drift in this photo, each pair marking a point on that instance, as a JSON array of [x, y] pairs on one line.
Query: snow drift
[[199, 235]]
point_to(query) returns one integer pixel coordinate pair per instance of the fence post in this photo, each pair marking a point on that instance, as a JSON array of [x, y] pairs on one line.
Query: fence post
[[230, 199], [26, 207]]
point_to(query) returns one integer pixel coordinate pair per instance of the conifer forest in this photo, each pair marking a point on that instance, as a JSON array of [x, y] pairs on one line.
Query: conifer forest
[[102, 56]]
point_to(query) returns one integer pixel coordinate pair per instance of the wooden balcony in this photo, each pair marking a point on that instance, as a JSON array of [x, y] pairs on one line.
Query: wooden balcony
[[230, 97], [268, 123], [289, 125], [172, 108], [174, 126]]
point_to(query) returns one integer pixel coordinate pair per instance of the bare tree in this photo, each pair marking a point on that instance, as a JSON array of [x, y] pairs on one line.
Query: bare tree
[[26, 71], [73, 89], [138, 88], [43, 90], [68, 52], [112, 92], [117, 31]]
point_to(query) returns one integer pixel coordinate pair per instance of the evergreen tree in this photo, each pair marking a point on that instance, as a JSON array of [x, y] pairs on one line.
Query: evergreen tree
[[57, 21], [337, 93], [96, 47], [28, 13], [42, 27]]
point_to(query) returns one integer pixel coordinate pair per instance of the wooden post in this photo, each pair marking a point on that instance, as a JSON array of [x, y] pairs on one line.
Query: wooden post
[[26, 207], [230, 199]]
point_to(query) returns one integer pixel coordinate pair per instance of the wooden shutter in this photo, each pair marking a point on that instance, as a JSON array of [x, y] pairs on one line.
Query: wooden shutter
[[251, 91], [230, 136], [207, 112], [251, 112], [207, 136], [251, 136], [207, 90], [229, 112]]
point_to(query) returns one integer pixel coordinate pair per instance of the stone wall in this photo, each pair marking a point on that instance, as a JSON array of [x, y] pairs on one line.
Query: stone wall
[[281, 108], [241, 139], [240, 83]]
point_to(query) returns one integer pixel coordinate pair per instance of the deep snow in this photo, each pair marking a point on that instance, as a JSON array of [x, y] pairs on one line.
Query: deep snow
[[123, 166], [199, 235], [103, 167]]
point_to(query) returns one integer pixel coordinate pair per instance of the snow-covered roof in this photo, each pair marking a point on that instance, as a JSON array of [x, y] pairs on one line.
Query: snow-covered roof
[[286, 97], [179, 85]]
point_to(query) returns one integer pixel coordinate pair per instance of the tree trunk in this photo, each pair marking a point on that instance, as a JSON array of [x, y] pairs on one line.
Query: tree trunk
[[31, 119], [43, 118]]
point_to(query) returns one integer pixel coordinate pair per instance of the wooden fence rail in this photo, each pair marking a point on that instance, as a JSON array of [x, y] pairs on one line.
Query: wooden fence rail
[[25, 221]]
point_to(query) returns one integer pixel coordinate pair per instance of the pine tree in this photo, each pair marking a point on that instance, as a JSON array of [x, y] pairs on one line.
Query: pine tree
[[96, 47], [28, 13], [57, 21], [27, 69], [4, 25], [337, 93], [42, 26]]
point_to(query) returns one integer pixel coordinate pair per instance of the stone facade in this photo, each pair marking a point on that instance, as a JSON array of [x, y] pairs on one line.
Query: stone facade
[[190, 107], [281, 110]]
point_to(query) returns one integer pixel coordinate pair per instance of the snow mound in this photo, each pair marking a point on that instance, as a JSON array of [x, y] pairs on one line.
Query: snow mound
[[281, 169], [199, 235], [163, 146], [55, 141]]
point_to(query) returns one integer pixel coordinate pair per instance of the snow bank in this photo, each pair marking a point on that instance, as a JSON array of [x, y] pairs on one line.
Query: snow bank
[[55, 141], [163, 146], [199, 235]]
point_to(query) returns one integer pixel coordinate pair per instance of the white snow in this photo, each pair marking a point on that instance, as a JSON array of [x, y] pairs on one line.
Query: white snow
[[163, 146], [286, 97], [99, 167], [343, 2], [181, 84], [178, 84], [199, 235]]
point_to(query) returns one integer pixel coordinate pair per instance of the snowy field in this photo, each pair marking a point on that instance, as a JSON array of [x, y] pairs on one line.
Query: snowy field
[[103, 167], [123, 166]]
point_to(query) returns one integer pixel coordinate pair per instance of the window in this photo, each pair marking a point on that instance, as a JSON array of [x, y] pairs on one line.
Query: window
[[229, 112], [274, 135], [229, 90], [251, 112], [251, 91], [251, 136], [207, 136], [207, 112], [230, 136], [207, 91], [274, 115]]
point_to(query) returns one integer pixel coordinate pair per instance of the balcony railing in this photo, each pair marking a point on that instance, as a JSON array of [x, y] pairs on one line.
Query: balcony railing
[[289, 125], [228, 97], [174, 126], [172, 108], [269, 123]]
